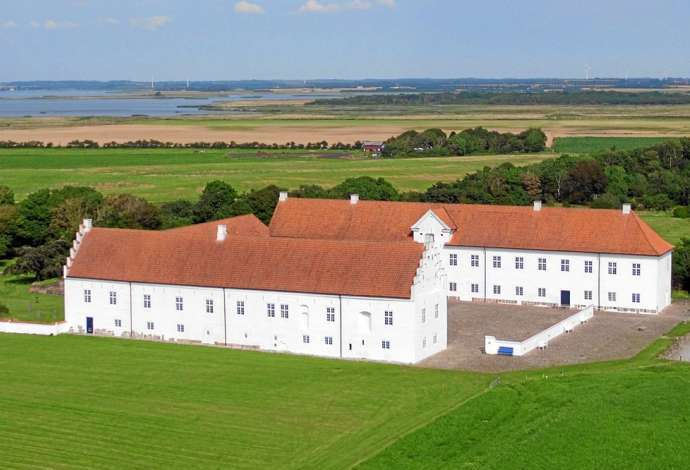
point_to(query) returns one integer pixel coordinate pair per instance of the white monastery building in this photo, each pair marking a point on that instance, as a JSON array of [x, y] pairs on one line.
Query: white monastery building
[[357, 279]]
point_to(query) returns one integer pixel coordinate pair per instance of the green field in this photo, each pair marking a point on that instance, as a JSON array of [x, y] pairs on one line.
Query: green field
[[600, 144], [670, 228], [24, 305], [105, 403], [169, 174]]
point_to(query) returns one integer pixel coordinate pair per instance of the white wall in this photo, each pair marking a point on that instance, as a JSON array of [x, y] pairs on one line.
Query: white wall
[[33, 328]]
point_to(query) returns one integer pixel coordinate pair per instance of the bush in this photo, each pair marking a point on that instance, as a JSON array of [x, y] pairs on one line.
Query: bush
[[4, 311], [682, 212], [606, 201]]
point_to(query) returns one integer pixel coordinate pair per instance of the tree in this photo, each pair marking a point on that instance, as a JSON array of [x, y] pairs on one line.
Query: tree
[[68, 215], [215, 202], [43, 262], [6, 196], [367, 187], [263, 202], [681, 265], [127, 211], [533, 140], [177, 213], [584, 181]]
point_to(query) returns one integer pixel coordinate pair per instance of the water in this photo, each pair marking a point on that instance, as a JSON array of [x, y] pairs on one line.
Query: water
[[95, 103]]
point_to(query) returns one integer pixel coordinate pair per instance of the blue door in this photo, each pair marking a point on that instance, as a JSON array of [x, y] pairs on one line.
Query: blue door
[[89, 325], [565, 298]]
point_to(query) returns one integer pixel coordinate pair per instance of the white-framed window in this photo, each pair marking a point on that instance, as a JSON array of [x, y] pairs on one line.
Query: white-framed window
[[424, 342], [149, 325], [541, 264], [497, 262], [305, 339], [240, 307], [636, 269], [519, 291], [388, 318], [453, 259], [209, 306], [179, 304], [436, 311], [541, 292], [180, 328], [636, 298], [113, 298], [453, 287], [147, 301], [271, 310], [497, 289], [613, 267], [87, 296], [474, 261], [519, 262], [565, 265], [588, 295], [475, 288], [435, 338], [424, 315], [328, 340], [612, 296], [118, 323], [284, 311], [330, 314], [588, 267], [385, 344]]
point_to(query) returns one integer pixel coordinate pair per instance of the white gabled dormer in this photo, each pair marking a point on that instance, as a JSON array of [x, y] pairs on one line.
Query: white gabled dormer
[[432, 229]]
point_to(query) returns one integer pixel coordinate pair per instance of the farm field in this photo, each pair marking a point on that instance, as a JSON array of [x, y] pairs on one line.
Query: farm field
[[670, 228], [599, 144], [162, 175], [107, 403]]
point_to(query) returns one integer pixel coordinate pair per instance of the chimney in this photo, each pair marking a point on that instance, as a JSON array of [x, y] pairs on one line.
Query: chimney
[[354, 199], [88, 225], [626, 209], [283, 196], [537, 206], [222, 233]]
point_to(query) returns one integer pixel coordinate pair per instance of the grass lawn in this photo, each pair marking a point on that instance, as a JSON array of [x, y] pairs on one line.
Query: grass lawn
[[599, 144], [104, 403], [168, 174], [24, 305], [670, 228]]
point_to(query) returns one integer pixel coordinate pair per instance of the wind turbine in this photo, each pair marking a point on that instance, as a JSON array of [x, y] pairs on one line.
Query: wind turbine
[[588, 71]]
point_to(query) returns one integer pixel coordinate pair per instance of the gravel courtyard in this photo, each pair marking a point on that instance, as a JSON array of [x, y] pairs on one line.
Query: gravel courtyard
[[606, 336]]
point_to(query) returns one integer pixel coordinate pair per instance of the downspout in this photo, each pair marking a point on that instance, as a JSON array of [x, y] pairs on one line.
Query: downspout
[[340, 314], [131, 315], [484, 274], [598, 281], [225, 321]]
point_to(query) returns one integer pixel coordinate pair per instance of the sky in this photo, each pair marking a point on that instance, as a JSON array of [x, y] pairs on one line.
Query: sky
[[346, 39]]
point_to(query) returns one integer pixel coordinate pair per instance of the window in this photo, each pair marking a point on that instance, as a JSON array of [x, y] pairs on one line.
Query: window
[[435, 339], [87, 296], [330, 314], [209, 305], [565, 265], [271, 310], [497, 289], [636, 298], [453, 287], [436, 311], [475, 288], [423, 315], [179, 304], [542, 264], [519, 291], [519, 262], [284, 311], [612, 296], [541, 292], [613, 268], [474, 261], [636, 269], [147, 301], [453, 259], [149, 325], [385, 344], [240, 307], [424, 342], [497, 261], [180, 328], [588, 295], [118, 323], [588, 267], [329, 340], [305, 339], [388, 318], [113, 298]]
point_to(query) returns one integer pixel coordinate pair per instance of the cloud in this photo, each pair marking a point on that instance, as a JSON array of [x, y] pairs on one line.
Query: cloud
[[54, 24], [113, 21], [317, 6], [9, 24], [152, 23], [248, 8], [387, 3]]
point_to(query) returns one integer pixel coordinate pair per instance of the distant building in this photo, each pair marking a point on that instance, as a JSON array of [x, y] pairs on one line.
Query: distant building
[[374, 148]]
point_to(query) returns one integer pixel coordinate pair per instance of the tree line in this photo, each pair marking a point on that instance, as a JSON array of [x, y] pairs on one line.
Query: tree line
[[157, 144]]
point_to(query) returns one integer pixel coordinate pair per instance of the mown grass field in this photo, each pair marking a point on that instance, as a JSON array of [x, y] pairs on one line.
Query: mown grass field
[[84, 402], [169, 174], [670, 228], [27, 306], [600, 144]]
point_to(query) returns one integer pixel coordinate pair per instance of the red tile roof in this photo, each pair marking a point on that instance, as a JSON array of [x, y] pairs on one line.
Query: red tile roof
[[183, 257], [514, 227], [242, 226]]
